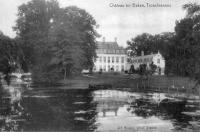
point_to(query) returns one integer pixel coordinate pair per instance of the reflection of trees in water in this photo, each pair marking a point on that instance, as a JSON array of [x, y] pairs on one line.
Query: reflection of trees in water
[[166, 109], [169, 107], [70, 110], [11, 111], [144, 108]]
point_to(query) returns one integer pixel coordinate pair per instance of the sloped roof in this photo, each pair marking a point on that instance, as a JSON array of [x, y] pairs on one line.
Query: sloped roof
[[108, 45]]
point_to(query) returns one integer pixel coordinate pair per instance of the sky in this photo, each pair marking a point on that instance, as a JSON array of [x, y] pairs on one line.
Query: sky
[[121, 22]]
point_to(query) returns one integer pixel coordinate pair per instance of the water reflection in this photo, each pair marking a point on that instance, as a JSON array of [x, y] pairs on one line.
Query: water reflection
[[11, 110], [45, 109], [120, 110]]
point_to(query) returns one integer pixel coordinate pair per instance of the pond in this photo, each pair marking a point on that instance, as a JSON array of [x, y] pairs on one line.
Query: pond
[[53, 109]]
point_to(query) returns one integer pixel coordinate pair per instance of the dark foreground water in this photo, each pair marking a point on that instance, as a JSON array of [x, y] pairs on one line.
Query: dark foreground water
[[53, 109]]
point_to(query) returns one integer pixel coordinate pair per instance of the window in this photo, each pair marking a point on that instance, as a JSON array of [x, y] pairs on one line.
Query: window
[[122, 59], [117, 68], [104, 68], [158, 61], [108, 68], [104, 59], [108, 59], [122, 68], [135, 61], [117, 59], [100, 59], [100, 67], [113, 68], [113, 59]]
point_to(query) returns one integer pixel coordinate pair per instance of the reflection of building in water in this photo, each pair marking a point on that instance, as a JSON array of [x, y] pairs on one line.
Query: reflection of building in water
[[109, 106], [109, 101]]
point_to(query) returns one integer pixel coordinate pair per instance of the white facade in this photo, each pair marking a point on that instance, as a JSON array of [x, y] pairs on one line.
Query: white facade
[[108, 61], [157, 59], [110, 57]]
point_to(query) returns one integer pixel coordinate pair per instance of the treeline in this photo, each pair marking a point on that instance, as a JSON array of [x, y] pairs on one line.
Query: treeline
[[181, 49], [11, 55], [55, 42]]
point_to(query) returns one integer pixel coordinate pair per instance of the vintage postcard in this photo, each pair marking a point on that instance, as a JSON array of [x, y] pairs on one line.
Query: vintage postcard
[[100, 65]]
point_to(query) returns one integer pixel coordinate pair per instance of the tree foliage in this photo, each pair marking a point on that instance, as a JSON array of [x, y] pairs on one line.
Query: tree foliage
[[150, 43], [185, 50], [11, 54], [180, 49], [153, 68], [56, 41]]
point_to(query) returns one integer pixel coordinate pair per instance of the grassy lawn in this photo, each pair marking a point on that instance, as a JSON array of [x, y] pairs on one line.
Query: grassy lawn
[[134, 82], [83, 81]]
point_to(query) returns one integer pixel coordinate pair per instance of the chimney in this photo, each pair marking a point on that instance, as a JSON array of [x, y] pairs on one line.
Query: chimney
[[115, 39], [104, 39], [142, 53]]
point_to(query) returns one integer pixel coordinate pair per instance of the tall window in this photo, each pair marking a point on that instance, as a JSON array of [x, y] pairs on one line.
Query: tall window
[[108, 68], [108, 59], [122, 67], [117, 68], [100, 59], [127, 60], [113, 59], [117, 59], [104, 68], [100, 67], [104, 59], [122, 59]]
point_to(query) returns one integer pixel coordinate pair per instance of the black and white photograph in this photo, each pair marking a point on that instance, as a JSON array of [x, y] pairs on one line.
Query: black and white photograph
[[99, 65]]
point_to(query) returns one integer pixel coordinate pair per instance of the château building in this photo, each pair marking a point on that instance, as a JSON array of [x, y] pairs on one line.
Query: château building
[[157, 59], [110, 57]]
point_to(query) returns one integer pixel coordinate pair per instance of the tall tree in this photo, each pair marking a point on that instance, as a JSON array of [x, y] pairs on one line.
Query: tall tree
[[59, 41], [150, 43], [141, 43], [187, 43], [10, 54]]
